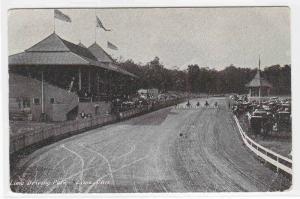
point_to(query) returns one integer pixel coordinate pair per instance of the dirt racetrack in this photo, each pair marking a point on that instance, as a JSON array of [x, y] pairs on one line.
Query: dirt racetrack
[[168, 150]]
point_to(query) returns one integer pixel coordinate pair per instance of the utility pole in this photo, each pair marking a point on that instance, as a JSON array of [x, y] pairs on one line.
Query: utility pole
[[43, 111], [259, 89]]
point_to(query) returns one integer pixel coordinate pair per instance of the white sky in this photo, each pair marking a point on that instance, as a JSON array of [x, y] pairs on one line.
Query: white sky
[[211, 37]]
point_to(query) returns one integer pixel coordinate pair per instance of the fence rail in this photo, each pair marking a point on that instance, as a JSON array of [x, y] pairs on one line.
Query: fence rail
[[29, 138], [266, 154]]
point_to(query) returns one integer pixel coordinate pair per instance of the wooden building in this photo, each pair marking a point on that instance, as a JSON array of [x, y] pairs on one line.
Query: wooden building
[[258, 86], [56, 80]]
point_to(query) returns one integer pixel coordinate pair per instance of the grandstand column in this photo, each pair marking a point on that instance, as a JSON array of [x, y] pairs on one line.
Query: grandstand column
[[97, 83], [89, 81], [79, 79], [110, 93]]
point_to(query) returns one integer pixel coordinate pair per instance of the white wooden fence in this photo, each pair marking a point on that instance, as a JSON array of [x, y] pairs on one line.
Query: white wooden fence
[[266, 154]]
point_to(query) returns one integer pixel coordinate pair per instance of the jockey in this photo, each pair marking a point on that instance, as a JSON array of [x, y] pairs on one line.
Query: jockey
[[206, 103], [188, 104]]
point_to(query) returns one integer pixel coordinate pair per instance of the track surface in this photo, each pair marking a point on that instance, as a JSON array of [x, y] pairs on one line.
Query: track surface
[[169, 150]]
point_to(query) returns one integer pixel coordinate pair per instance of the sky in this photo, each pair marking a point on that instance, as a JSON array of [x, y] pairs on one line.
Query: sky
[[209, 37]]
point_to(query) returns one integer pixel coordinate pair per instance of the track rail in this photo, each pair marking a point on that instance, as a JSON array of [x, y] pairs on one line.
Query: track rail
[[266, 154]]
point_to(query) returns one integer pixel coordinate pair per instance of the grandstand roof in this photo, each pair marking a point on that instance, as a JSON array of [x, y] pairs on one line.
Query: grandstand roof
[[99, 53], [53, 50]]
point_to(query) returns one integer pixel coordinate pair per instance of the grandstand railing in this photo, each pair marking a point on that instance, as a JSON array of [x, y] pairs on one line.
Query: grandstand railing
[[277, 160], [94, 98]]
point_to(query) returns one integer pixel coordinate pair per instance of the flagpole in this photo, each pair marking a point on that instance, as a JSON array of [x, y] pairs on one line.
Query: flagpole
[[53, 20], [95, 26], [61, 16]]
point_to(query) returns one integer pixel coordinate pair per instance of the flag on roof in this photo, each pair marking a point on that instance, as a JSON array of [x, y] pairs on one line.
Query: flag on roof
[[61, 16], [111, 46], [100, 24]]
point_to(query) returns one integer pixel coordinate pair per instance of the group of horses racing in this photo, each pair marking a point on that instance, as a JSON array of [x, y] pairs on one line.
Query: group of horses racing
[[198, 105]]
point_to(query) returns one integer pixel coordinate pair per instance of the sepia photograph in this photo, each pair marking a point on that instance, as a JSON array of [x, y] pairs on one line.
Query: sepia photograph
[[150, 100]]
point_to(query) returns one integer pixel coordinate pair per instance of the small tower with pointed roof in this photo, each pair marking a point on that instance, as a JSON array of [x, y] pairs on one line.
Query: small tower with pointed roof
[[258, 86]]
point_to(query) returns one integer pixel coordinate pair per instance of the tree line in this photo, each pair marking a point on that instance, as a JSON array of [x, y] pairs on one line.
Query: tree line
[[198, 79]]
